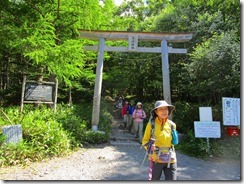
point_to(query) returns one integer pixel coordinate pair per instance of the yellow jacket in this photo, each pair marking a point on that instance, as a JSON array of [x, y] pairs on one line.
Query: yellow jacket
[[162, 136]]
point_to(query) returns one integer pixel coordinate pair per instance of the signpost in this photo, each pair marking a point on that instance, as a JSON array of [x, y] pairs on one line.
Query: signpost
[[39, 92], [231, 111], [206, 127], [231, 115]]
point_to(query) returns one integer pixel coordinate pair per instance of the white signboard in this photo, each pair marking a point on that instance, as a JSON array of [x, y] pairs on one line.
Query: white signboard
[[205, 113], [207, 129], [231, 111]]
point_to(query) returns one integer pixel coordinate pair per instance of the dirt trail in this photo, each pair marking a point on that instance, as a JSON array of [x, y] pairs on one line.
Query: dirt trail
[[120, 159]]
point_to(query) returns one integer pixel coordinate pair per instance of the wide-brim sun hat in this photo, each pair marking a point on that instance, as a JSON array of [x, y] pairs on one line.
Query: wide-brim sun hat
[[161, 103]]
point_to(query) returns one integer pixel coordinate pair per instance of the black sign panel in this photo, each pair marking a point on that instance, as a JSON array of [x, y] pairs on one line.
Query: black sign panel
[[39, 92]]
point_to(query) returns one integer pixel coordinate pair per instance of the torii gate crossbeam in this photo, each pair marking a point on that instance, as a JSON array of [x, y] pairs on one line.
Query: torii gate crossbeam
[[133, 38]]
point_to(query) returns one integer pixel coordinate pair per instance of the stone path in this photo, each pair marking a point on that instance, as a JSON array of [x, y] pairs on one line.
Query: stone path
[[121, 136]]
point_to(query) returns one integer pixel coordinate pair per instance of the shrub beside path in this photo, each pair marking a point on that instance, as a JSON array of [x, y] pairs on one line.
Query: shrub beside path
[[120, 159]]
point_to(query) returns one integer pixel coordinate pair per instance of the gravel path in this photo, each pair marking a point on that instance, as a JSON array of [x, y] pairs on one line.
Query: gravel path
[[118, 160]]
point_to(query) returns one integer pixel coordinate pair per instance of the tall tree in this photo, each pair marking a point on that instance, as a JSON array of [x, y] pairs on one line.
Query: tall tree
[[45, 34]]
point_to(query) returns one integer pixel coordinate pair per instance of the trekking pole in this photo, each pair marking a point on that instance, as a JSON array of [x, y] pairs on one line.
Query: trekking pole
[[151, 142], [150, 170], [170, 154], [144, 159]]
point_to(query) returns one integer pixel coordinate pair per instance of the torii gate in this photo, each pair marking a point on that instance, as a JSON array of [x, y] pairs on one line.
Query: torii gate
[[133, 38]]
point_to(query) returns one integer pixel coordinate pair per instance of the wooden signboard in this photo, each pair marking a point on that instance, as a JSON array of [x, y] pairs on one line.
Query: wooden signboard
[[39, 92]]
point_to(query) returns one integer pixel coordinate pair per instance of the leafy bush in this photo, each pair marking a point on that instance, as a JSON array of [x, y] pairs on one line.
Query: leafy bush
[[47, 134], [20, 153], [105, 118], [96, 137], [42, 137], [184, 116], [72, 122], [2, 139], [186, 113], [196, 147]]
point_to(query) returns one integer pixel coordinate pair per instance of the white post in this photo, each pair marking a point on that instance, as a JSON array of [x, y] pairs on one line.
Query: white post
[[98, 86], [208, 145], [165, 70]]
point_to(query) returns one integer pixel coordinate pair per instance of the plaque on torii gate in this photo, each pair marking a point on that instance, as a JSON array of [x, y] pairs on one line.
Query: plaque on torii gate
[[133, 39]]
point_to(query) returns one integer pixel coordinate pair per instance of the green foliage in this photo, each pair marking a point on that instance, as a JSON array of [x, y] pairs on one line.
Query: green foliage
[[48, 134], [227, 147], [184, 115], [105, 119], [45, 35], [192, 146], [21, 153], [45, 135], [97, 137], [2, 139], [224, 148], [73, 122], [216, 63]]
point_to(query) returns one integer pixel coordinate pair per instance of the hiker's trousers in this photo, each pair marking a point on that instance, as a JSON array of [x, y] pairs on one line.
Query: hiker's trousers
[[138, 128], [129, 122], [169, 173]]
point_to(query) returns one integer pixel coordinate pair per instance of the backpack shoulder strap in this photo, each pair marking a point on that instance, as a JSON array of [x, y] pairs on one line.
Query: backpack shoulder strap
[[152, 121], [172, 124]]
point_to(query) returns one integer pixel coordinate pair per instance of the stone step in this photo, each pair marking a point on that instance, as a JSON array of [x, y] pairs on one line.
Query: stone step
[[120, 138], [124, 143]]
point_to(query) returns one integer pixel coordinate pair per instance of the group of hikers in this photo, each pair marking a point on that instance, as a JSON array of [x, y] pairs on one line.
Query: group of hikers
[[159, 136], [133, 116]]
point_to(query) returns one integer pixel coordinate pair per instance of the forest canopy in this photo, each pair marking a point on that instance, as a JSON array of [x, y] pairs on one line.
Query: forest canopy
[[40, 40]]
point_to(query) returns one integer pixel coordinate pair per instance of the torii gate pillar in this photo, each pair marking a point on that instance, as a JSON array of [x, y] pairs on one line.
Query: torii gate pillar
[[165, 71], [98, 86]]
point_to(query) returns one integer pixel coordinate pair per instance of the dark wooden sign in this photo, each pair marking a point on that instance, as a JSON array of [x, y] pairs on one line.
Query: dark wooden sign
[[39, 92]]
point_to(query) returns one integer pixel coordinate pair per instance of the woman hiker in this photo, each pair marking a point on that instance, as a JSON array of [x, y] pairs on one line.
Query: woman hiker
[[138, 117], [162, 156]]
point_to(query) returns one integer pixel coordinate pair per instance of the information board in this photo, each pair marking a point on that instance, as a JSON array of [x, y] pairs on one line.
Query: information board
[[207, 129], [231, 111], [39, 92]]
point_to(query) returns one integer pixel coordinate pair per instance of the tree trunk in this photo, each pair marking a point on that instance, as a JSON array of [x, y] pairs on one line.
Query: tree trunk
[[70, 96]]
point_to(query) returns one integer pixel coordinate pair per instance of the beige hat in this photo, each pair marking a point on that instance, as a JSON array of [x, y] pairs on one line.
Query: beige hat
[[161, 103], [138, 103]]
